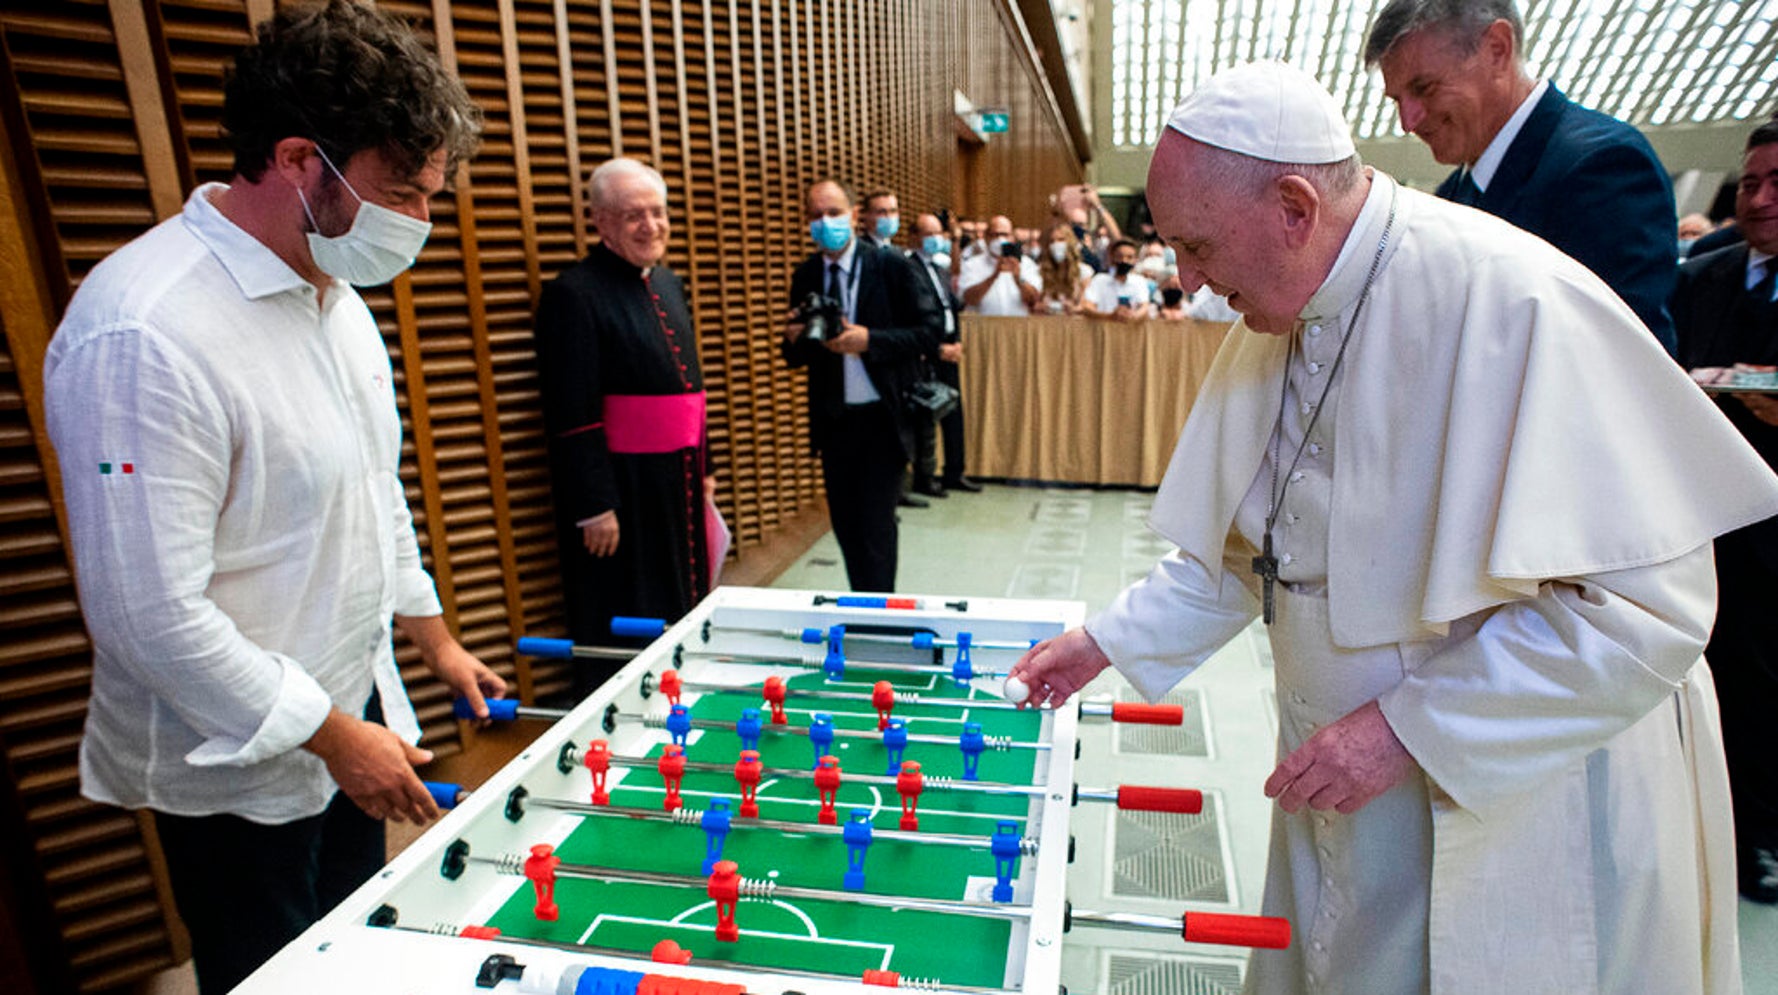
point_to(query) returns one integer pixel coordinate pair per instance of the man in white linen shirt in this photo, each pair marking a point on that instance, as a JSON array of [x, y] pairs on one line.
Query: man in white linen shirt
[[221, 403], [1122, 294], [1499, 769], [1000, 281]]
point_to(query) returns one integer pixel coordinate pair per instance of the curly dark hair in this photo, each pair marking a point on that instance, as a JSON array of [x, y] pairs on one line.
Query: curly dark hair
[[350, 77]]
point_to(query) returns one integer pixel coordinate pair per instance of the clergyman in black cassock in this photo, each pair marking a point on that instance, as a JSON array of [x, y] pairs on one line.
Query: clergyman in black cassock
[[623, 402]]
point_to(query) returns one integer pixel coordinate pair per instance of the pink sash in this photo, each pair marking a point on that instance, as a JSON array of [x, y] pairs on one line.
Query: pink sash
[[653, 423]]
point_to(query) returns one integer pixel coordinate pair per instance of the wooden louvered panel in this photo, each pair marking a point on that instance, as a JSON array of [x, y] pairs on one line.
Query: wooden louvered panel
[[203, 38]]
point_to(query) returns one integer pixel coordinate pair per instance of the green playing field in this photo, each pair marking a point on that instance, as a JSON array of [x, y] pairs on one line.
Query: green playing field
[[831, 937]]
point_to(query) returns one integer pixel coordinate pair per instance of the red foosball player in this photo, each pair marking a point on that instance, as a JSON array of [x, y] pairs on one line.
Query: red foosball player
[[775, 692], [598, 763], [540, 868], [672, 768], [882, 698], [725, 891], [669, 952], [827, 781], [747, 773], [909, 783], [672, 686]]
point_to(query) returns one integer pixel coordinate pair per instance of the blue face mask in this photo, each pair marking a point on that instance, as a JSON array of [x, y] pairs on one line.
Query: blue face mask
[[887, 227], [1685, 246], [1171, 257], [936, 245], [831, 233]]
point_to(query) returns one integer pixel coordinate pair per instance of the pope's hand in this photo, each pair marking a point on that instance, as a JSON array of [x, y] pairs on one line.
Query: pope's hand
[[1057, 668], [1343, 766]]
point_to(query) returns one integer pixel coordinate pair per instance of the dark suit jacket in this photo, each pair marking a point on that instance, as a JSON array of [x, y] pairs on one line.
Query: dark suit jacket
[[1590, 185], [948, 300], [1720, 324], [895, 301]]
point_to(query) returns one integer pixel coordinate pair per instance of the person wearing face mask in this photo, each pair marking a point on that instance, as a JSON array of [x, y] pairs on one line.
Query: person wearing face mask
[[1063, 272], [933, 257], [1001, 282], [881, 217], [1172, 300], [1122, 294], [623, 404], [879, 223], [222, 406], [860, 370]]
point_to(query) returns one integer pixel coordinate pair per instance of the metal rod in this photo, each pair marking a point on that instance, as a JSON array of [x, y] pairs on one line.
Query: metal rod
[[814, 636], [891, 668], [659, 721], [901, 697], [692, 817], [932, 782]]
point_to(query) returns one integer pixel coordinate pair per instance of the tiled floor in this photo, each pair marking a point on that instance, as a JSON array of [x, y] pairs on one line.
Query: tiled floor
[[1086, 545]]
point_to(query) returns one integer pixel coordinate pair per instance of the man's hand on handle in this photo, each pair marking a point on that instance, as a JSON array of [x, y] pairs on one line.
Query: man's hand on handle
[[1343, 766], [1057, 668], [375, 768]]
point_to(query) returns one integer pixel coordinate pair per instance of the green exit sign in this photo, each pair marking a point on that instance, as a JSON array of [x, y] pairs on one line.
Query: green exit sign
[[994, 122]]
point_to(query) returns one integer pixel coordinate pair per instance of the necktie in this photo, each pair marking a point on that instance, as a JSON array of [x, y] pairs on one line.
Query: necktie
[[1467, 193], [833, 282]]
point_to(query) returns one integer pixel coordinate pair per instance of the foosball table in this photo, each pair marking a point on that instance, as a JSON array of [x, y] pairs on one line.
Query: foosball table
[[785, 792]]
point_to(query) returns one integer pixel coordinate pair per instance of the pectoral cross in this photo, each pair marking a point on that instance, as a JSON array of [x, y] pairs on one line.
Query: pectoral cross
[[1265, 566]]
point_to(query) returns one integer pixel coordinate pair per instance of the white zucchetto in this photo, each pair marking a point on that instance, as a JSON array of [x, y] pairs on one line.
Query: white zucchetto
[[1269, 111]]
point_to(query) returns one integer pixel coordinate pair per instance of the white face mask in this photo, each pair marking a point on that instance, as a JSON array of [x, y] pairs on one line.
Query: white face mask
[[1059, 251], [380, 244]]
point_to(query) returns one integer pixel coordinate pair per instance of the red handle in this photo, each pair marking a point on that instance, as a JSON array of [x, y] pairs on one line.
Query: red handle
[[1134, 797], [1148, 715], [1270, 932]]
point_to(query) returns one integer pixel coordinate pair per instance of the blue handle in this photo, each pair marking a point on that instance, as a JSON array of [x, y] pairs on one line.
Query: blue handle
[[499, 709], [444, 793], [647, 628], [558, 649]]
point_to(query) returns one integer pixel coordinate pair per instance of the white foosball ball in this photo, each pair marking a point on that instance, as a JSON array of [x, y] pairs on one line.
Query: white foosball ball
[[785, 792]]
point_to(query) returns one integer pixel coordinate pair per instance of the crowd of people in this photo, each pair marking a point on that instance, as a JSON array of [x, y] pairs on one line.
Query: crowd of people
[[1080, 263]]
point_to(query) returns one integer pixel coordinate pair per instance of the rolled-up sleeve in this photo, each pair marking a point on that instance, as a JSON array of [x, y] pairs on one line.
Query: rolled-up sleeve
[[143, 448]]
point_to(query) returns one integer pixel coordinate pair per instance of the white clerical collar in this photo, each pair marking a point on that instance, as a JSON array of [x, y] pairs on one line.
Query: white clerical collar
[[1346, 280], [1482, 172]]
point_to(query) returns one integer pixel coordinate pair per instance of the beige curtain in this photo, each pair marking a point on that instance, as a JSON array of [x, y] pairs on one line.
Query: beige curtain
[[1080, 400]]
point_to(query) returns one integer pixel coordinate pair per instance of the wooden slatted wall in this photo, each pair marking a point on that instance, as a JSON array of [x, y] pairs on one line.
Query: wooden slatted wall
[[108, 119]]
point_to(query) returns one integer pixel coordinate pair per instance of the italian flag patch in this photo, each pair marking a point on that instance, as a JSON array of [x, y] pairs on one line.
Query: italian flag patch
[[116, 468]]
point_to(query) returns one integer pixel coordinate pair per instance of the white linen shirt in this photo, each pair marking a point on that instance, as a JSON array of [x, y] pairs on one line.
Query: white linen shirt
[[230, 453], [1106, 291]]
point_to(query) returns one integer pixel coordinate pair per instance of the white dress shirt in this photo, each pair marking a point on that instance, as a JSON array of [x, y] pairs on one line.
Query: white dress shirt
[[1003, 298], [1488, 163], [1107, 292], [859, 389], [230, 453], [1758, 264]]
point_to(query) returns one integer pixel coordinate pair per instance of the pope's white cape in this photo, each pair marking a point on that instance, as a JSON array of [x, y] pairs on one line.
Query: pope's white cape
[[1528, 427]]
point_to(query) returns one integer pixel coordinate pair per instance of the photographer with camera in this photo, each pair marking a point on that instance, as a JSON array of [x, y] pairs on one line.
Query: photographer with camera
[[1001, 282], [861, 318]]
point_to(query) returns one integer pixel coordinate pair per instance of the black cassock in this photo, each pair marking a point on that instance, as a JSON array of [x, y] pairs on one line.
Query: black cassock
[[621, 385]]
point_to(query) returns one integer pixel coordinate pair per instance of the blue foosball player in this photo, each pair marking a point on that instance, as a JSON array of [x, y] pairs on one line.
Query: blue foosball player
[[857, 835], [1004, 845], [679, 723], [747, 727], [820, 736], [973, 744], [961, 668], [716, 825], [834, 665], [895, 740]]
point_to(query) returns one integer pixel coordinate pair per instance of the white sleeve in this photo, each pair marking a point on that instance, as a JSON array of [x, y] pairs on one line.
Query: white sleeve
[[1546, 681], [415, 593], [144, 540], [1162, 627], [1030, 273]]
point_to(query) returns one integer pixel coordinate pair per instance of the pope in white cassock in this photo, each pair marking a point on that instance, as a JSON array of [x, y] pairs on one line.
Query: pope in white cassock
[[1475, 501]]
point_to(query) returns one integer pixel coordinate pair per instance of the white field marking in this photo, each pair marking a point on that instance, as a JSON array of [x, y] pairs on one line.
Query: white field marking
[[815, 803], [678, 922]]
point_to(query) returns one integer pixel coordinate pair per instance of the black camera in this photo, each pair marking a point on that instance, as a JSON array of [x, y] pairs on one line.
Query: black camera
[[821, 316], [1011, 250]]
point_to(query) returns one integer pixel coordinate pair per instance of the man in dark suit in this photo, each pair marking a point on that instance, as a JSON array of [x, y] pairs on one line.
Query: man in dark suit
[[937, 267], [859, 374], [1585, 182], [1724, 311]]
